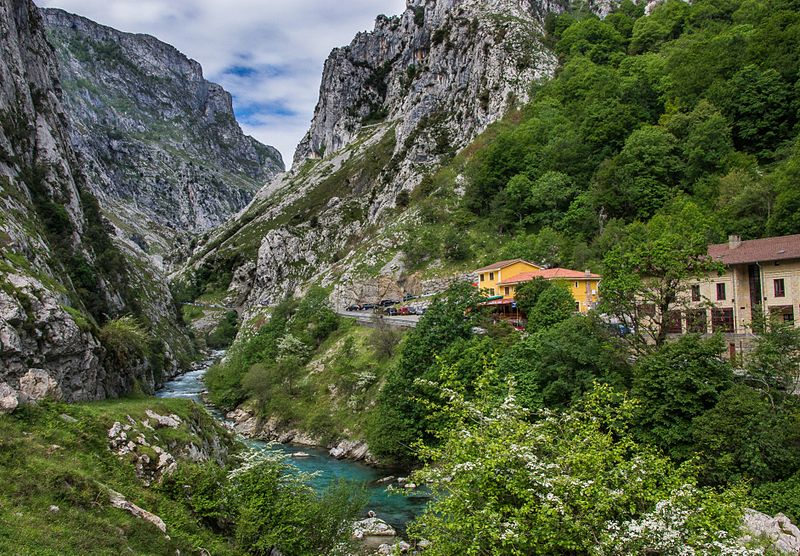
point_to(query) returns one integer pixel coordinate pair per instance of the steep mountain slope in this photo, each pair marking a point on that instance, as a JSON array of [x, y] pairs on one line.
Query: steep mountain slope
[[61, 275], [164, 149], [393, 104]]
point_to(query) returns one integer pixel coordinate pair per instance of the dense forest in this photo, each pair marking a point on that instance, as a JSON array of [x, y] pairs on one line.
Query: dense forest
[[694, 102]]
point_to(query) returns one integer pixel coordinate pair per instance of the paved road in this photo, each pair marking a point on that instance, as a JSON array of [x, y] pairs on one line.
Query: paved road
[[209, 305], [366, 318]]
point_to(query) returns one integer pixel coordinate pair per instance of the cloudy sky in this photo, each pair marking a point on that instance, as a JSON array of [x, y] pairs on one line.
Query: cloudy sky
[[267, 53]]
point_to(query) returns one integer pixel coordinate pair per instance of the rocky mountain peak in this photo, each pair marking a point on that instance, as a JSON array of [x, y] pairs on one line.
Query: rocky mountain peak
[[454, 65]]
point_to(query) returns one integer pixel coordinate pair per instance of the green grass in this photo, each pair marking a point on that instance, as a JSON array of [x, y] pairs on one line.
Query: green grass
[[84, 321], [191, 313], [46, 461]]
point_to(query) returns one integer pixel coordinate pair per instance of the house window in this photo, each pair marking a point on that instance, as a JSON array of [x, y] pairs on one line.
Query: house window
[[491, 290], [696, 321], [576, 285], [720, 292], [780, 287], [695, 293], [674, 322], [784, 313], [722, 320], [481, 278], [648, 310], [507, 290], [491, 276], [577, 307]]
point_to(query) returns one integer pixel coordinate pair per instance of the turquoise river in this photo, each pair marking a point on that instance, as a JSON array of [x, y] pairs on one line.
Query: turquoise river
[[395, 509]]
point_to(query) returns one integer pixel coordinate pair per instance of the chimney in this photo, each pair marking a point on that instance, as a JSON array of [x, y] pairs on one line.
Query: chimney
[[734, 241], [587, 273]]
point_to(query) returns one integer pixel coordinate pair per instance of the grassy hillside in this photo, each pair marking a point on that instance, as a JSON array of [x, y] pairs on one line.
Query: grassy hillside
[[61, 474], [308, 369], [50, 460]]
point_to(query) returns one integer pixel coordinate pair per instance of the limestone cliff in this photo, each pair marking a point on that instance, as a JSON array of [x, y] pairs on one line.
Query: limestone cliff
[[445, 68], [163, 147], [61, 274], [393, 105]]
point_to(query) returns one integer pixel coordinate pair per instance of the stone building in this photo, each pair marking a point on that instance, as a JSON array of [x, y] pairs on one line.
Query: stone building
[[760, 277]]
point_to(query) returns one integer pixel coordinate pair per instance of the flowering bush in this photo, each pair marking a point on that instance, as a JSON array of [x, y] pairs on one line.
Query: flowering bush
[[574, 482]]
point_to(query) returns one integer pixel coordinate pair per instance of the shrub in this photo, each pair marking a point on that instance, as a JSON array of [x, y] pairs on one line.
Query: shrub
[[780, 497], [125, 339], [384, 339], [742, 437], [225, 332], [681, 381], [569, 483], [273, 508]]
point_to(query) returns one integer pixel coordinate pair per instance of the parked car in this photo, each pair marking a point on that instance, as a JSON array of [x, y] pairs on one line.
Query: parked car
[[408, 297], [388, 302], [403, 310], [412, 310], [391, 311], [368, 306], [421, 310], [353, 308]]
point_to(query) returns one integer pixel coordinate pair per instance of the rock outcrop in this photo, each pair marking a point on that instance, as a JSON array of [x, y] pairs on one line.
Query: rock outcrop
[[163, 147], [779, 530], [244, 422], [453, 65], [373, 532], [139, 443], [118, 501]]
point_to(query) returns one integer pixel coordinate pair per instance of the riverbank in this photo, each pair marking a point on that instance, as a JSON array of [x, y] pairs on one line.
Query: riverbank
[[396, 509], [305, 379], [247, 424]]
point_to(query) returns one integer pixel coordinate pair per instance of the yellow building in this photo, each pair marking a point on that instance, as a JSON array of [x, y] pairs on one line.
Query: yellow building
[[489, 276], [502, 278], [582, 285]]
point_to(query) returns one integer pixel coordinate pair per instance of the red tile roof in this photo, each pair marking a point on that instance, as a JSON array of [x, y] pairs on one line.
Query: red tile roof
[[503, 264], [549, 274], [756, 250]]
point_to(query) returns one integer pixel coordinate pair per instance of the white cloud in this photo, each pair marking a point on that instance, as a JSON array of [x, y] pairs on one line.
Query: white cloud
[[278, 46]]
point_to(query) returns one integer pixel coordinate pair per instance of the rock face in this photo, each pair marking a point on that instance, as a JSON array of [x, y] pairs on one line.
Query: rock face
[[37, 385], [163, 147], [60, 271], [784, 535], [393, 104], [454, 65]]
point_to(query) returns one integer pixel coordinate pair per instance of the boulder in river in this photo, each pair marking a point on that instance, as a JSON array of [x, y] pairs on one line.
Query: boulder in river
[[373, 532]]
